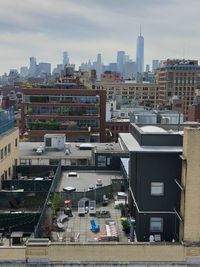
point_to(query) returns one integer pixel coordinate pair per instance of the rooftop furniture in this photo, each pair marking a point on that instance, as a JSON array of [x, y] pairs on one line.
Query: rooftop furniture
[[92, 207], [82, 204], [94, 227], [111, 231], [105, 200], [103, 214], [62, 218]]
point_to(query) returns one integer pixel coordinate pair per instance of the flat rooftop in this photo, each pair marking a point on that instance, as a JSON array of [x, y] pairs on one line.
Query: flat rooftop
[[86, 178], [131, 144], [28, 150]]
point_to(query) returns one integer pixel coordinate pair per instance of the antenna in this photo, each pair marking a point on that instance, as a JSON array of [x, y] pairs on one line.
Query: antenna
[[140, 30]]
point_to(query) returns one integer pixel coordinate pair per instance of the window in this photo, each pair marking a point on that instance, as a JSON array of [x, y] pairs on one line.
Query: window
[[157, 189], [5, 175], [16, 142], [5, 151], [48, 142], [101, 161], [2, 153], [9, 148], [156, 224], [9, 171]]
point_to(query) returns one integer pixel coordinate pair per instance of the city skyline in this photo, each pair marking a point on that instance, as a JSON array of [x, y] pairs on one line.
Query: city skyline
[[85, 28]]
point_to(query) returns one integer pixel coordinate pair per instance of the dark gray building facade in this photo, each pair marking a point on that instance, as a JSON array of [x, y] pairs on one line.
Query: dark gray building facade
[[154, 181]]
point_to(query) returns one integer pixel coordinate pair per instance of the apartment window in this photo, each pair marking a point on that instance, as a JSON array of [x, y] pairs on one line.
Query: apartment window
[[156, 224], [2, 177], [9, 148], [5, 175], [2, 153], [101, 161], [48, 142], [9, 171], [5, 151], [15, 142], [157, 189]]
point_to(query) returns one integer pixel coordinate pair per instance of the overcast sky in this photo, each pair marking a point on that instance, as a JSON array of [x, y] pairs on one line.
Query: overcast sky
[[46, 28]]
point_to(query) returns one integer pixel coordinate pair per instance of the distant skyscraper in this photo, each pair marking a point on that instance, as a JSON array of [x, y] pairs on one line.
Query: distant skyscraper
[[120, 61], [33, 67], [129, 70], [147, 68], [44, 68], [155, 64], [65, 58], [99, 67], [23, 71], [140, 53], [113, 66]]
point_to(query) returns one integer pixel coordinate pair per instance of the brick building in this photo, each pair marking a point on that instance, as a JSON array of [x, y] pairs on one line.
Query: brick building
[[144, 93], [178, 80], [78, 113]]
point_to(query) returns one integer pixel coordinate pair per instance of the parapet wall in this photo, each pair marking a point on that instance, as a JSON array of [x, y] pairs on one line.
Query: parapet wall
[[170, 254]]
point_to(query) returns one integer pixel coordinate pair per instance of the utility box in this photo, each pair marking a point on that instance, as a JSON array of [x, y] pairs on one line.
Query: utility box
[[54, 141]]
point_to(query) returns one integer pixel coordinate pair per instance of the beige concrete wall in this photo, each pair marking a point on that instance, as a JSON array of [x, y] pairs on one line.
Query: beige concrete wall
[[8, 160], [190, 202], [108, 252], [13, 253], [140, 252]]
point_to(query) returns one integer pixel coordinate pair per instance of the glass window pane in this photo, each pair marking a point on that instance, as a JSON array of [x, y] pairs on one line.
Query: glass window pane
[[157, 189], [156, 224]]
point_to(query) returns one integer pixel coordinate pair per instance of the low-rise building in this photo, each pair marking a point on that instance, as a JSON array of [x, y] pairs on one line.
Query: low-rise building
[[145, 93], [78, 113], [154, 176]]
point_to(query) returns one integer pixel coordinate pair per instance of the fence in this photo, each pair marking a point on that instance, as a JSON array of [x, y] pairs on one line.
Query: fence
[[96, 194], [56, 179], [27, 185]]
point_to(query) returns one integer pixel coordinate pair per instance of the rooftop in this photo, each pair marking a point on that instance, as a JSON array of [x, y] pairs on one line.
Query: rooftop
[[79, 227], [85, 178], [152, 129], [28, 150], [130, 143]]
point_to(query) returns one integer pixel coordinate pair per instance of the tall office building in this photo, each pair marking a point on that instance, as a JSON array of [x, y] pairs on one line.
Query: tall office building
[[24, 71], [65, 58], [33, 67], [113, 66], [140, 53], [129, 70], [99, 67], [44, 68], [147, 68], [155, 64], [120, 61]]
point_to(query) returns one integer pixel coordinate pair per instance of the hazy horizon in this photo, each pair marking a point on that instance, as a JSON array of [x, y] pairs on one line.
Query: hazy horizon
[[83, 28]]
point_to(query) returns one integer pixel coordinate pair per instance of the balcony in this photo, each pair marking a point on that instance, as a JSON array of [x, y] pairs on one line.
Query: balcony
[[62, 126], [62, 111]]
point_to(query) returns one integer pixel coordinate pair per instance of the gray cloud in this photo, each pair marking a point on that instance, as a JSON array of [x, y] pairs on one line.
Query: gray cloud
[[45, 28]]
